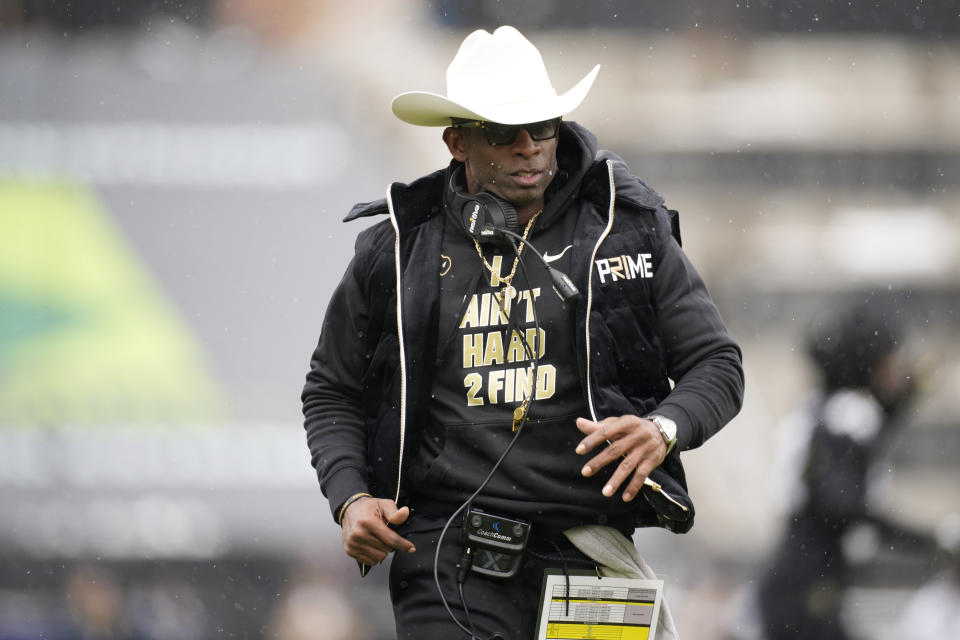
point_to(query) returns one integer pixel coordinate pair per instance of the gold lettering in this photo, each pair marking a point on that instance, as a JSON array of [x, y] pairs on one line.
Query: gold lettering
[[546, 381], [508, 384], [499, 315], [493, 354], [537, 346], [494, 385], [523, 386], [485, 310], [497, 264], [530, 295], [473, 382], [516, 352], [472, 350], [514, 385], [617, 271], [471, 317]]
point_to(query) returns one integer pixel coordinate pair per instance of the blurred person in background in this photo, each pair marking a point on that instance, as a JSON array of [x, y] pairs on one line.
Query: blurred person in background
[[312, 608], [95, 603], [167, 608], [933, 613], [865, 384], [438, 356]]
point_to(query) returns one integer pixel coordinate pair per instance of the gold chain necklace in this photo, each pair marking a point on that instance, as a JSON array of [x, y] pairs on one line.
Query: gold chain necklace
[[508, 291]]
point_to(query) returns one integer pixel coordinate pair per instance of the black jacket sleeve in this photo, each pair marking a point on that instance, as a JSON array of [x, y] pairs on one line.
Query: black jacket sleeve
[[702, 359], [333, 416]]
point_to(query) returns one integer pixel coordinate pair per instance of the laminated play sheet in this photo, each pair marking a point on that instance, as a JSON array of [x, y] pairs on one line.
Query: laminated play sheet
[[599, 608]]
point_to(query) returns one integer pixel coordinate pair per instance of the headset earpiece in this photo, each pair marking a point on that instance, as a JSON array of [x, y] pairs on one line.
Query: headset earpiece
[[478, 210]]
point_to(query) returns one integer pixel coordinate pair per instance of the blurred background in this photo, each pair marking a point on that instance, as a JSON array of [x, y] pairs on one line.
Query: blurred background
[[172, 179]]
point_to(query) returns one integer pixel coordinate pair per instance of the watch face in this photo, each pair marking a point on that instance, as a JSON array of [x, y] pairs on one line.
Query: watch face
[[668, 427], [671, 427]]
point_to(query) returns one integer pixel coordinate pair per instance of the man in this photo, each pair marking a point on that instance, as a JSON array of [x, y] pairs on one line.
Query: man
[[447, 367], [843, 429]]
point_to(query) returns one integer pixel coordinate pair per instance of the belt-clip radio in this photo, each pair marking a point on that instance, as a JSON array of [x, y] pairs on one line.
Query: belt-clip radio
[[497, 542]]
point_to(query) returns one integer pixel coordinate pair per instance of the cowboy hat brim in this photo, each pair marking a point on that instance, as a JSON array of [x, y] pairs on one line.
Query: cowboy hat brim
[[433, 110]]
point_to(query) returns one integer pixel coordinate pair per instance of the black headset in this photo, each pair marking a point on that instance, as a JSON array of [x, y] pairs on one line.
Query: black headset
[[477, 211], [486, 218]]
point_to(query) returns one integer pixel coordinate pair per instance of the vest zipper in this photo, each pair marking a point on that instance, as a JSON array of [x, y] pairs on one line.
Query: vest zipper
[[400, 335], [593, 257]]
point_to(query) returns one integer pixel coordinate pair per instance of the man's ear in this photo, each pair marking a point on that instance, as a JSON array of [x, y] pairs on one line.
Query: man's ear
[[456, 141]]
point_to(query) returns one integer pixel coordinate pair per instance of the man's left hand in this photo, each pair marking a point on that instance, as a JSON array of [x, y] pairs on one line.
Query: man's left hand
[[633, 441]]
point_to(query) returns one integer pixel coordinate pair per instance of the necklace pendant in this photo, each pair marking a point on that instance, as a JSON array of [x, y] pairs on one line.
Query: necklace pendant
[[508, 293]]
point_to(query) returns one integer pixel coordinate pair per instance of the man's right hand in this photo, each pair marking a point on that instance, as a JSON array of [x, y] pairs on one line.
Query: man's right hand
[[367, 536]]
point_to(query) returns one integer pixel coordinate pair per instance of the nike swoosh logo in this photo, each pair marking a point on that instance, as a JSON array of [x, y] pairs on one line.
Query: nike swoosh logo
[[549, 258]]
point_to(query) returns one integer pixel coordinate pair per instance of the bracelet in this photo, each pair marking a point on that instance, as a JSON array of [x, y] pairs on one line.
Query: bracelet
[[349, 501]]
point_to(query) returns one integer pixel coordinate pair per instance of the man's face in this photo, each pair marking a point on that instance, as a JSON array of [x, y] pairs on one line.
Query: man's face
[[519, 171]]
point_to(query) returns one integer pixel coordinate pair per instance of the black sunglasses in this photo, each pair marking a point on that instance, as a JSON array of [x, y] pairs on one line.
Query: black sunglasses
[[500, 134]]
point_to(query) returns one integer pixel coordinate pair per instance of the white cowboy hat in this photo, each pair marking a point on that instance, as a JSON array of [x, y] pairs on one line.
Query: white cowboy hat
[[498, 77]]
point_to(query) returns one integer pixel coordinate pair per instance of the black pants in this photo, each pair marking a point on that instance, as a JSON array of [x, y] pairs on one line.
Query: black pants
[[499, 608]]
